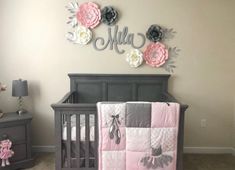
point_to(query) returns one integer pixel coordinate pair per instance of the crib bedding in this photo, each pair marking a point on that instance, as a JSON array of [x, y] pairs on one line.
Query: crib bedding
[[82, 128], [138, 135], [85, 90]]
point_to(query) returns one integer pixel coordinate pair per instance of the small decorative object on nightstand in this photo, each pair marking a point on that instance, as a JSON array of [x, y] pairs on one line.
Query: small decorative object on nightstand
[[2, 88], [17, 130], [20, 89]]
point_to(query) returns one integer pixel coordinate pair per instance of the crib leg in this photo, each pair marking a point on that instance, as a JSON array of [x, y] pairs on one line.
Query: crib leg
[[58, 148]]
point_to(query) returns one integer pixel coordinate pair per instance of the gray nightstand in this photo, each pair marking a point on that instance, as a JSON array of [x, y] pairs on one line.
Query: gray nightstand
[[18, 130]]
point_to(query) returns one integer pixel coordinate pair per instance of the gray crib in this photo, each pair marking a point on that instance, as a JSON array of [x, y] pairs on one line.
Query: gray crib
[[76, 123]]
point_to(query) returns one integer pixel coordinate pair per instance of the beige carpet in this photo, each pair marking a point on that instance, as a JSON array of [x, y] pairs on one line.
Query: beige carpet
[[209, 162], [191, 162], [44, 161]]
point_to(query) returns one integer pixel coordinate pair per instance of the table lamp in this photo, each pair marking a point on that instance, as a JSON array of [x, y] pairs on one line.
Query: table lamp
[[2, 88], [20, 89]]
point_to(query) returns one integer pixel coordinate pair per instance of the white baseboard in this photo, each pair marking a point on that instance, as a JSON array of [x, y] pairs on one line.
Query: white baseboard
[[233, 151], [209, 150], [39, 148], [193, 150]]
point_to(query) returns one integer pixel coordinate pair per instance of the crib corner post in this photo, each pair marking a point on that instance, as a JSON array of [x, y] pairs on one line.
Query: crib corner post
[[96, 140], [58, 139], [181, 140]]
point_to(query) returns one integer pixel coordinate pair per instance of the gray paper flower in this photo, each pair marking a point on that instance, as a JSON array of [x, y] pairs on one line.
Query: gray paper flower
[[109, 15], [155, 33]]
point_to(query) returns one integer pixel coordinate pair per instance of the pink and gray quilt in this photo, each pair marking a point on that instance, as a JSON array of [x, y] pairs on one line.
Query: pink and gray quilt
[[138, 135]]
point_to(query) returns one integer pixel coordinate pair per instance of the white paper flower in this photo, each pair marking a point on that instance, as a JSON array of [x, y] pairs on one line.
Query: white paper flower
[[72, 7], [134, 58], [81, 35]]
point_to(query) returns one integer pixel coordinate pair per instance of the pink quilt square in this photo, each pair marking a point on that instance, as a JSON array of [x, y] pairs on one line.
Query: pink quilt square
[[164, 115], [109, 144], [134, 161]]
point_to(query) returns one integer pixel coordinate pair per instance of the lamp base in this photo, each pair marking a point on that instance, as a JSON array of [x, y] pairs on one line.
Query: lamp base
[[1, 114], [21, 111]]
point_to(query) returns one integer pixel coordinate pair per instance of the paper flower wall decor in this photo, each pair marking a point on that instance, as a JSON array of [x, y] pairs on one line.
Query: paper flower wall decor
[[170, 63], [89, 15], [156, 54], [72, 8], [134, 58], [109, 15], [81, 35], [155, 33]]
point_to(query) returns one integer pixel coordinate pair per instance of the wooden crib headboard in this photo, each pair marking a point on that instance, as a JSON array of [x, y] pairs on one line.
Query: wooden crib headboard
[[93, 88]]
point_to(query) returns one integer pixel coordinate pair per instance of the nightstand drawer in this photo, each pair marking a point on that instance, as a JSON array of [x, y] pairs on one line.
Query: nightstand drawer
[[18, 130], [14, 133], [19, 152]]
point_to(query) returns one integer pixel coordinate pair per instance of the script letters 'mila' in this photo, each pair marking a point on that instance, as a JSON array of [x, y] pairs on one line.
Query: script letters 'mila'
[[118, 38]]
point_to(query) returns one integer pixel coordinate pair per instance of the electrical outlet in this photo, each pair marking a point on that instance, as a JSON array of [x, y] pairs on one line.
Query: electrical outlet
[[203, 123]]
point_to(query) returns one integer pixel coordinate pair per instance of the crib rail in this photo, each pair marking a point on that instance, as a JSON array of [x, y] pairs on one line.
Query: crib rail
[[70, 97], [66, 159]]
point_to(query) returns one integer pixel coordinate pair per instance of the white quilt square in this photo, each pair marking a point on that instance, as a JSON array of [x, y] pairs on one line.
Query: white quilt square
[[166, 137], [113, 160], [107, 110], [138, 139]]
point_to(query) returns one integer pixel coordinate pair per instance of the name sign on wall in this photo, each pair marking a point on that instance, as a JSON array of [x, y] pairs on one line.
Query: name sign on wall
[[117, 38], [87, 16]]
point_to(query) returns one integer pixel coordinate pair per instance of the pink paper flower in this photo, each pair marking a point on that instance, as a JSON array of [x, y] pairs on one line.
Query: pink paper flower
[[156, 54], [89, 15], [2, 87]]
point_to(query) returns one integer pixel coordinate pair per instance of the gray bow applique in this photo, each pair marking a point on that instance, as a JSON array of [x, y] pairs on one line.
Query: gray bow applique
[[114, 130]]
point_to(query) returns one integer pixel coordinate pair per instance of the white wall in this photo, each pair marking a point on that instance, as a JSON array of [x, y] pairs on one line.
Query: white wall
[[33, 47]]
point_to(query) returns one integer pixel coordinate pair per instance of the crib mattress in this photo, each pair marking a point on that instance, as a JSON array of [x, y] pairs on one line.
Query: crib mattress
[[82, 133], [82, 128]]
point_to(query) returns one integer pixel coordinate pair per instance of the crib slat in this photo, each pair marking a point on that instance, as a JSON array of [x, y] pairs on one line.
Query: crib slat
[[87, 139], [78, 139], [68, 144]]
